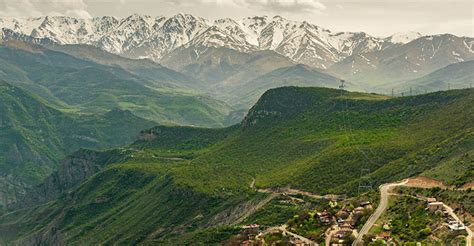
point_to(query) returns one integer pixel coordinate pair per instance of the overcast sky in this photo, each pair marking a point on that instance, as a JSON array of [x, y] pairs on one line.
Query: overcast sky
[[376, 17]]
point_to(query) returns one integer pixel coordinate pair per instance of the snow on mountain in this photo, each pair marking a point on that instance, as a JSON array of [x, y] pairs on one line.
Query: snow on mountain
[[142, 36], [404, 38]]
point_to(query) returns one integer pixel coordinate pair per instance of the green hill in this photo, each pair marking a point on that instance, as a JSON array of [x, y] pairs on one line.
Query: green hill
[[245, 95], [178, 183], [35, 137], [455, 76], [155, 74], [73, 84]]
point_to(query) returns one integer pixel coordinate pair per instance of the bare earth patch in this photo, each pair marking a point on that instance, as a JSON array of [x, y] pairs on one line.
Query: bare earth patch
[[424, 182]]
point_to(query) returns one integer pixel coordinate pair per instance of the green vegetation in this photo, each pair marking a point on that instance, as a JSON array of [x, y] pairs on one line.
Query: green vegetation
[[459, 199], [409, 222], [74, 84], [308, 225], [177, 182], [35, 137]]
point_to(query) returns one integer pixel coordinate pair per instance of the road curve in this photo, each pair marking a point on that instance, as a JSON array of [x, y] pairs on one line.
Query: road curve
[[384, 194], [468, 230]]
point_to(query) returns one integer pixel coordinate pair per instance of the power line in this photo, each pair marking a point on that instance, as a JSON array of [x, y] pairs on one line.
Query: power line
[[364, 180]]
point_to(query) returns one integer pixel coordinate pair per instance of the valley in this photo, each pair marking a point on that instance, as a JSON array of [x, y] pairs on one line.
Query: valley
[[213, 168], [187, 130]]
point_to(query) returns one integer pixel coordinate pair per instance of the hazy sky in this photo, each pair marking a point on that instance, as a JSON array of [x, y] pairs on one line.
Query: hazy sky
[[377, 17]]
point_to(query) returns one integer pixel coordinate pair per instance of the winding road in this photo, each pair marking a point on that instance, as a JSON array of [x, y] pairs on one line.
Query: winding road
[[468, 230], [384, 194]]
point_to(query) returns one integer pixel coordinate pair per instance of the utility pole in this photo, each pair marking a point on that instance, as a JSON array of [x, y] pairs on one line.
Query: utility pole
[[392, 92]]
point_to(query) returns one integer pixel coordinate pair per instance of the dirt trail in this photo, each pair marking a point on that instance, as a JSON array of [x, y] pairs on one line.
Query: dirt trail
[[254, 209], [305, 193], [282, 228]]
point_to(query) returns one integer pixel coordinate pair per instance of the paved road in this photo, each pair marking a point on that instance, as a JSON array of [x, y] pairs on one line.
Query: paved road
[[384, 194], [469, 231]]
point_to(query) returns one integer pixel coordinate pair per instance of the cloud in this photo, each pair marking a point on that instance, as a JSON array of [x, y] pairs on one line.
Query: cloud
[[275, 6], [286, 6], [34, 8]]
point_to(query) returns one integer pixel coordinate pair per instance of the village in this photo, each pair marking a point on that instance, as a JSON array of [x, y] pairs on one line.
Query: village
[[341, 226]]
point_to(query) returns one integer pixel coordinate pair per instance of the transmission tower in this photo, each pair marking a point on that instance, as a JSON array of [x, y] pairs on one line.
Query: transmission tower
[[365, 183], [343, 84]]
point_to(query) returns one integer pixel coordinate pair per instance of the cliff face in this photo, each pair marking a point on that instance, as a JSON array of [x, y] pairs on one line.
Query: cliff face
[[73, 170]]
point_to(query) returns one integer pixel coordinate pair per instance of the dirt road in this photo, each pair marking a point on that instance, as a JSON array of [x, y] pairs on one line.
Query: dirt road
[[282, 228]]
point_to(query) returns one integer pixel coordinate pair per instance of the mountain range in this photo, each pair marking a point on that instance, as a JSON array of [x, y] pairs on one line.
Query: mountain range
[[141, 36], [219, 54], [178, 130]]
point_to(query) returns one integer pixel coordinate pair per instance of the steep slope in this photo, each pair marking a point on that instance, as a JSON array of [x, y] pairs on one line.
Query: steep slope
[[403, 62], [35, 137], [455, 76], [222, 66], [74, 84], [178, 181], [157, 75]]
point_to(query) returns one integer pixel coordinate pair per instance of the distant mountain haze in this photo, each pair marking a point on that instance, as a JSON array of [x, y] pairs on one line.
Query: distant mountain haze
[[188, 43]]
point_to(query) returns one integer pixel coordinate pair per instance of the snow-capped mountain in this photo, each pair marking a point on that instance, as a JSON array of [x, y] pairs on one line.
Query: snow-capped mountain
[[406, 61], [404, 38], [142, 36]]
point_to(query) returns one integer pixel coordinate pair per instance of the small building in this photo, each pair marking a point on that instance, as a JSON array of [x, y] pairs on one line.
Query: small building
[[251, 229], [456, 226], [435, 206], [431, 199], [346, 226], [360, 210], [366, 203], [343, 233], [351, 222], [324, 217], [297, 242], [385, 235], [342, 214], [247, 243]]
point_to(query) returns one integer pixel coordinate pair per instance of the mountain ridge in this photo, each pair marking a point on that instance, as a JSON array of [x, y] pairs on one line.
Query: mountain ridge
[[178, 181], [139, 36]]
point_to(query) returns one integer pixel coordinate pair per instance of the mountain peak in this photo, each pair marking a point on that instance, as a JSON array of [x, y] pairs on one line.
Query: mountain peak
[[404, 37]]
